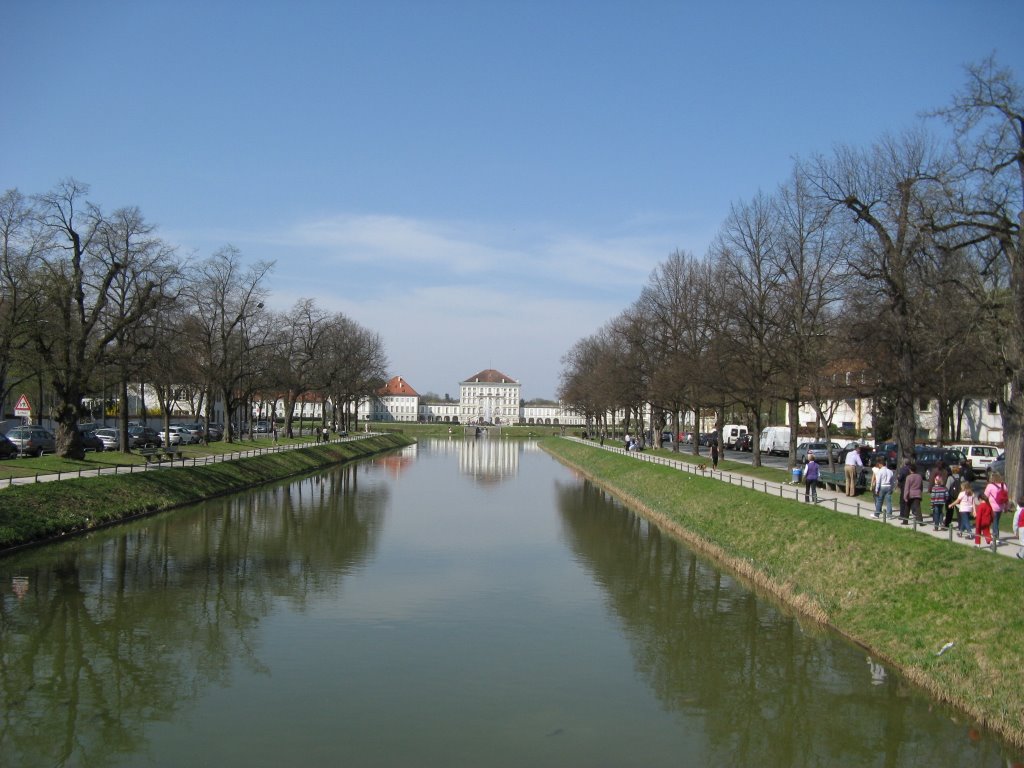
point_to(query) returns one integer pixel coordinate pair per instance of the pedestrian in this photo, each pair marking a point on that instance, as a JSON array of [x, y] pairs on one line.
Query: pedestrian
[[852, 468], [982, 519], [714, 454], [913, 489], [939, 497], [901, 478], [327, 435], [274, 430], [999, 497], [884, 478], [811, 473], [964, 502], [1018, 525], [953, 483]]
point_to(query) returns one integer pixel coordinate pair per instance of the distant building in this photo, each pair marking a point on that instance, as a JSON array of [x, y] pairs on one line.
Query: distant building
[[487, 397]]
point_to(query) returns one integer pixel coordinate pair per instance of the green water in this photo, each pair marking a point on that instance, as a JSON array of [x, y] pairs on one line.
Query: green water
[[463, 603]]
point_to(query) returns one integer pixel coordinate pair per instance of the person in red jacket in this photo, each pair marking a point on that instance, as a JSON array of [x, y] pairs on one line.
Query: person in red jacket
[[982, 520]]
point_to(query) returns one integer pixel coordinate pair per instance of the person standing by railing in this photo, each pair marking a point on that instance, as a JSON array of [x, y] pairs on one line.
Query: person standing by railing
[[883, 480], [811, 474]]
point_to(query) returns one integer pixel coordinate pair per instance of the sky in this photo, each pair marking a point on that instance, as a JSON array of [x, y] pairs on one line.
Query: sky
[[482, 183]]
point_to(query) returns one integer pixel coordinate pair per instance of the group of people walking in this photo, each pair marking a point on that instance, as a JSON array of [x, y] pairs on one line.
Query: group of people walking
[[978, 511]]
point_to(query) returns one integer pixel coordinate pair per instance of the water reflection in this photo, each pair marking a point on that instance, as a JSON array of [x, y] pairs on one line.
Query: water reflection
[[765, 689], [129, 625], [461, 603], [488, 458]]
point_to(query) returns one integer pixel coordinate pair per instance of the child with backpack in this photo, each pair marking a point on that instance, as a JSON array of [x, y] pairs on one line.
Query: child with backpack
[[998, 496], [982, 519]]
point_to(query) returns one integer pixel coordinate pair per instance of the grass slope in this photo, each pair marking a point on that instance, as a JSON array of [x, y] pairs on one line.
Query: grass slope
[[902, 595]]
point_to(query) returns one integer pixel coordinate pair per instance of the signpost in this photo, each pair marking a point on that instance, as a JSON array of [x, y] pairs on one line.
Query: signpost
[[23, 408]]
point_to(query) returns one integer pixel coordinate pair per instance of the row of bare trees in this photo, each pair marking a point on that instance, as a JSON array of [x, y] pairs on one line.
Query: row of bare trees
[[891, 273], [90, 299]]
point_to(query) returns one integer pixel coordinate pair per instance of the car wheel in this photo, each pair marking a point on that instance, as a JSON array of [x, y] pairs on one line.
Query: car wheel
[[39, 452]]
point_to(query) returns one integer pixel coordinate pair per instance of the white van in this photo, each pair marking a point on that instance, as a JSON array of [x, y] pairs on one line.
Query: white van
[[775, 440], [978, 456], [731, 433]]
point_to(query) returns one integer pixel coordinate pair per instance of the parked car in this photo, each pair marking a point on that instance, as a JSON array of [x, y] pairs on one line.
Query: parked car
[[706, 438], [928, 458], [109, 437], [196, 429], [8, 450], [90, 442], [173, 435], [33, 440], [998, 466], [263, 427], [185, 435], [979, 457], [215, 431], [820, 449], [745, 443], [144, 437], [888, 451]]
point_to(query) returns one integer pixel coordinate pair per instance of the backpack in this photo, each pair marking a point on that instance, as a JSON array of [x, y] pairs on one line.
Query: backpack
[[1002, 495]]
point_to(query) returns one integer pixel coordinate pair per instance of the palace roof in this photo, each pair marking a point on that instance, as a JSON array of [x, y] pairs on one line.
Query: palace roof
[[490, 376], [398, 386]]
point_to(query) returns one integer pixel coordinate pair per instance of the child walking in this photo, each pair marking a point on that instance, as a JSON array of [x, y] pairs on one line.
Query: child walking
[[939, 496], [965, 507], [982, 520]]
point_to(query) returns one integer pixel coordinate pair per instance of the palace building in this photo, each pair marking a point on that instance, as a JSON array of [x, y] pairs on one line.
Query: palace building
[[487, 397]]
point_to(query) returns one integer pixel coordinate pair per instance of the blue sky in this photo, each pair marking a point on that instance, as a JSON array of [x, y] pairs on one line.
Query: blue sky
[[483, 183]]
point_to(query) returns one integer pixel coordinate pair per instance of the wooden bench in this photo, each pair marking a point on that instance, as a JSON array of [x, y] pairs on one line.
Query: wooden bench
[[836, 481], [151, 454], [172, 452]]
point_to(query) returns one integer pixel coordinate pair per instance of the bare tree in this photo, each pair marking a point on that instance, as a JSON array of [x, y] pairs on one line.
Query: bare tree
[[887, 191], [75, 329], [142, 289], [230, 296], [809, 256], [746, 254], [21, 247], [987, 202]]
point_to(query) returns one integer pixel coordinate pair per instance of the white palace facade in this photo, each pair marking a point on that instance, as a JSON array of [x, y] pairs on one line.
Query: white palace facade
[[487, 397]]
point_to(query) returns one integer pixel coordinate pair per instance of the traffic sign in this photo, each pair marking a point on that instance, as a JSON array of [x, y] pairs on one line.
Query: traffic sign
[[23, 408]]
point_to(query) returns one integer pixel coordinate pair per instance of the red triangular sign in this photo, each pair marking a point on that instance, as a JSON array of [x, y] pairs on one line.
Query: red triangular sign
[[22, 404]]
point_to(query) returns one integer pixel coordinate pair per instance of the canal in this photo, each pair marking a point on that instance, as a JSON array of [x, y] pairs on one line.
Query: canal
[[466, 602]]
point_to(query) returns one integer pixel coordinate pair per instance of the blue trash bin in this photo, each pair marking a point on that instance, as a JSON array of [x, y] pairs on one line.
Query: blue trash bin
[[797, 473]]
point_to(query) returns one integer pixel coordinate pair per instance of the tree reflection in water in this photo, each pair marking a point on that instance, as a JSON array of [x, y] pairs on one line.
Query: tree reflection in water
[[103, 634], [756, 685]]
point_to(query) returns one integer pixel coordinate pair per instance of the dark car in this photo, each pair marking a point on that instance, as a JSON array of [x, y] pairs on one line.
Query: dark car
[[8, 450], [887, 451], [706, 438], [928, 458], [744, 443], [90, 440], [144, 437]]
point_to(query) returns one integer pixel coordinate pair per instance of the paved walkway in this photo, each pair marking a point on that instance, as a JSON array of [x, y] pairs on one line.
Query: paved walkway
[[861, 506], [185, 462]]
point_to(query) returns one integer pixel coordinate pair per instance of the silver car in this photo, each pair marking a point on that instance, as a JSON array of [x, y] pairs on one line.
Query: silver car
[[110, 438], [32, 441]]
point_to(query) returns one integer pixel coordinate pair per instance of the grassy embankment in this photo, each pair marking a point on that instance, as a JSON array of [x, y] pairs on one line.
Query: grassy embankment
[[38, 512], [903, 596]]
